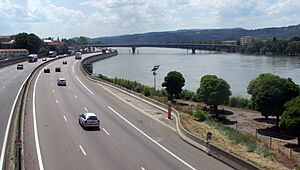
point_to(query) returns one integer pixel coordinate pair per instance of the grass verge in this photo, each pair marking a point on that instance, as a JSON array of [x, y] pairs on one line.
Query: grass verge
[[231, 141]]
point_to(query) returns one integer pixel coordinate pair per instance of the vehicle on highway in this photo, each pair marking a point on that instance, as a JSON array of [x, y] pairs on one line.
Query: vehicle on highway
[[65, 62], [89, 120], [44, 59], [32, 58], [52, 54], [61, 82], [46, 70], [57, 69], [78, 55], [20, 67]]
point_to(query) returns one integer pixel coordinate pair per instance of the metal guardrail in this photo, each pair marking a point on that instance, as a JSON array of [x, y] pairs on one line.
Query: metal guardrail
[[212, 150]]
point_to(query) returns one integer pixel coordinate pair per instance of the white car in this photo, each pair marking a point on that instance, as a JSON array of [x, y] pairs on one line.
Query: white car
[[89, 120], [61, 82]]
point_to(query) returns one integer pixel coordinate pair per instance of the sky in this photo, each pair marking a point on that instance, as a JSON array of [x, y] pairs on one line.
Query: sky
[[98, 18]]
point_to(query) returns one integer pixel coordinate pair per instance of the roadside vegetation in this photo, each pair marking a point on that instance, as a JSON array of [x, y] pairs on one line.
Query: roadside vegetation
[[271, 95]]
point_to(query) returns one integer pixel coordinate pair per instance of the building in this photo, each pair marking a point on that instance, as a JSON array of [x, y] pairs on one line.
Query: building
[[7, 38], [13, 53], [246, 40], [7, 41]]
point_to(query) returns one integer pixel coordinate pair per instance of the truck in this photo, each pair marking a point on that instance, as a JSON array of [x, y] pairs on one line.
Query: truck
[[78, 55], [32, 58], [52, 54]]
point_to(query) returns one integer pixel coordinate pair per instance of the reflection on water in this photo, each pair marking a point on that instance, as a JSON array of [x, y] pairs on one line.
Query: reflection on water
[[238, 70]]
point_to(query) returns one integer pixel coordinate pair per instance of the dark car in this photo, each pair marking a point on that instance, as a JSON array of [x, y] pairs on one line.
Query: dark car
[[46, 70], [57, 69], [20, 67], [65, 62], [61, 82]]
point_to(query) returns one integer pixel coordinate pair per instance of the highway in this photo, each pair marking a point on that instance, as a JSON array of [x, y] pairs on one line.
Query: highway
[[126, 139], [11, 80]]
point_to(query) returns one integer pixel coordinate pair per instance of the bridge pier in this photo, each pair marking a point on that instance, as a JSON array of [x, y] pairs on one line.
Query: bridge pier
[[133, 50], [193, 51]]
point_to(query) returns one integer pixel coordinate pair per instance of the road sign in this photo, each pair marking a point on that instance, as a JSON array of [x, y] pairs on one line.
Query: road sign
[[18, 144]]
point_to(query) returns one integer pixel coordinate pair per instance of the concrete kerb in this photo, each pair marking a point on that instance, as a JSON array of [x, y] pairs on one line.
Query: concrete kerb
[[212, 150]]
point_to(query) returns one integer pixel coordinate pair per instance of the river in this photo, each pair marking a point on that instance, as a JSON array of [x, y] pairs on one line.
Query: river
[[237, 69]]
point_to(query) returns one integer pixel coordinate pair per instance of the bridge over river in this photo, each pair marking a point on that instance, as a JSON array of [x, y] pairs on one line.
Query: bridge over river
[[193, 47]]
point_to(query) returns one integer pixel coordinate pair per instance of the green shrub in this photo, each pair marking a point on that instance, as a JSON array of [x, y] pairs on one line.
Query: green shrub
[[238, 101], [186, 94], [200, 115], [147, 91], [103, 77]]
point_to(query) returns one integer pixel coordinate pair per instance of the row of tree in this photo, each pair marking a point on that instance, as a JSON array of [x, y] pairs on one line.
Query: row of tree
[[274, 47], [270, 94], [35, 45]]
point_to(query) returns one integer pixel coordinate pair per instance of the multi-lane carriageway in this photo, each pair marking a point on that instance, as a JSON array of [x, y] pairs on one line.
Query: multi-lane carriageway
[[55, 140], [11, 81]]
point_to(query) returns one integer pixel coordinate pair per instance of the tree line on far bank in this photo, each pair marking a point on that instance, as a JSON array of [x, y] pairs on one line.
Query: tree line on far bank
[[289, 47], [270, 94]]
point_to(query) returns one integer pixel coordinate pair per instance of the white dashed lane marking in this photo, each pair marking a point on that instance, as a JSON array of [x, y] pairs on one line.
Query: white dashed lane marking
[[65, 118], [82, 150], [106, 131]]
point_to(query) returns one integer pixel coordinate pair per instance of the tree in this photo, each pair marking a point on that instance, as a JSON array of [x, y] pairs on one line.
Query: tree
[[213, 91], [82, 40], [174, 82], [269, 93], [290, 120], [31, 42]]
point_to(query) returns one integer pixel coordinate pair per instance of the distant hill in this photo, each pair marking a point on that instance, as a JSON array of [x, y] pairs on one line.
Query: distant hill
[[189, 35]]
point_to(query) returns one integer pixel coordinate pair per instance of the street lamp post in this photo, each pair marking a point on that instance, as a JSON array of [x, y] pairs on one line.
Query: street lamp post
[[154, 75]]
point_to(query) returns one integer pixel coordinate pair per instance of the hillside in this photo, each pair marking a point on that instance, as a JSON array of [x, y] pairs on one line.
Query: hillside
[[189, 35]]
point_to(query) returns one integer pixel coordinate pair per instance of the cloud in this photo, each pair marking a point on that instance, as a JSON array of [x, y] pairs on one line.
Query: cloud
[[113, 17]]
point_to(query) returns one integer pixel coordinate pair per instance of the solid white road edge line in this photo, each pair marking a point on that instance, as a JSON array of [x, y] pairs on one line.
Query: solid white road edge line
[[73, 69], [106, 131], [82, 150], [84, 86], [8, 125], [36, 135], [152, 140]]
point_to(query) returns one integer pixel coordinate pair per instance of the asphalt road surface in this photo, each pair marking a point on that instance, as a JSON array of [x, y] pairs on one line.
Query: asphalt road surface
[[11, 80], [126, 139]]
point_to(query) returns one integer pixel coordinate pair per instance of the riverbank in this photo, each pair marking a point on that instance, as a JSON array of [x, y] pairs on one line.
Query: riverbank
[[238, 70]]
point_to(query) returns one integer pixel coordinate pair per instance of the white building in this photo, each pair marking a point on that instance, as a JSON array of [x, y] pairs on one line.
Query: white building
[[246, 40]]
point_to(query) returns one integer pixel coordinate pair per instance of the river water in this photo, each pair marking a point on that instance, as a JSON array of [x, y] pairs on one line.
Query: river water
[[237, 69]]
